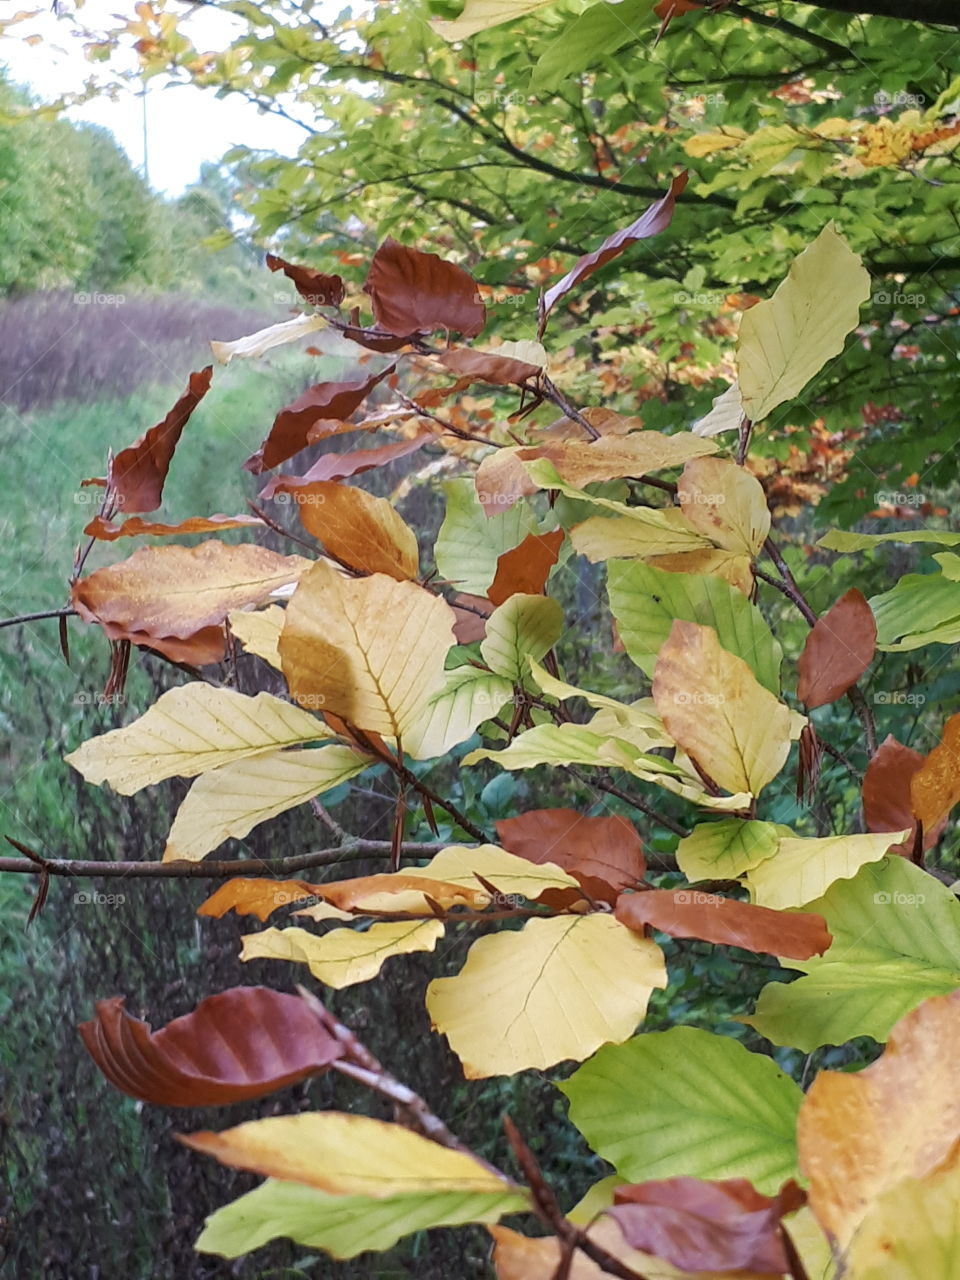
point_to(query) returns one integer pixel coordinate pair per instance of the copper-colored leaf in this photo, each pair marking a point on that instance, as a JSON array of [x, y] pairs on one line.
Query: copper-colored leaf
[[135, 527], [707, 1226], [524, 569], [501, 481], [487, 366], [687, 913], [256, 896], [179, 591], [327, 402], [414, 292], [138, 472], [338, 466], [240, 1044], [887, 805], [472, 613], [838, 650], [935, 787], [603, 854], [313, 286], [357, 529], [657, 218], [206, 646]]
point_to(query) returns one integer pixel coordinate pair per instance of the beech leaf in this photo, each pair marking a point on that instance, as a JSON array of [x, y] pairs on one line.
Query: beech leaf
[[415, 292], [837, 651]]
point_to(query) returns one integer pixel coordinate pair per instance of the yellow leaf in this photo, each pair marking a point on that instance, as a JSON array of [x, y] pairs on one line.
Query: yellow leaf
[[357, 529], [715, 709], [370, 650], [713, 562], [344, 957], [582, 462], [257, 344], [259, 632], [802, 870], [912, 1231], [861, 1135], [229, 802], [725, 503], [480, 15], [559, 988], [189, 730], [787, 339], [347, 1155], [648, 533], [467, 697], [513, 876], [707, 144]]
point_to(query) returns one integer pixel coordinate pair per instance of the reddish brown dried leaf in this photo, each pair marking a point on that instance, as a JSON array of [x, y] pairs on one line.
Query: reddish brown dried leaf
[[179, 591], [707, 1226], [256, 896], [327, 402], [667, 9], [358, 529], [374, 340], [656, 219], [472, 613], [501, 481], [525, 568], [935, 787], [687, 913], [414, 292], [206, 646], [337, 466], [138, 472], [242, 1043], [313, 286], [887, 805], [604, 854], [838, 650], [108, 531], [809, 760], [487, 366]]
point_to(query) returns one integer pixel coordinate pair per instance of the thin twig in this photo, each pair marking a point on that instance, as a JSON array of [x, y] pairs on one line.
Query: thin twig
[[68, 612]]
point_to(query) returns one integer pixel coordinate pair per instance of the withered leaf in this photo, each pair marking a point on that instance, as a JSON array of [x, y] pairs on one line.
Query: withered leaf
[[657, 218], [338, 466], [487, 366], [524, 569], [935, 787], [327, 402], [604, 854], [837, 651], [242, 1043], [687, 913], [415, 292], [139, 471], [316, 288], [256, 896], [887, 805], [135, 527]]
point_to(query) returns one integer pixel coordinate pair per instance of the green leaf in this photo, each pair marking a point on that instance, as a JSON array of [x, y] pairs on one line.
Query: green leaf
[[726, 849], [470, 543], [896, 941], [921, 607], [788, 339], [804, 869], [645, 602], [686, 1102], [469, 696], [524, 626], [838, 540], [342, 1226], [598, 31]]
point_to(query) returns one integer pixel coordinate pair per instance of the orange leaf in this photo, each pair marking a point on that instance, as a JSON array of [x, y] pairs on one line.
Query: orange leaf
[[256, 896], [935, 787], [359, 530], [686, 913], [108, 531], [837, 651], [313, 286], [887, 805], [487, 366], [604, 854], [239, 1044], [524, 569]]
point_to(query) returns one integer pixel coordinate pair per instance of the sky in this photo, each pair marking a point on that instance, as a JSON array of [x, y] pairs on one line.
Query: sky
[[185, 126]]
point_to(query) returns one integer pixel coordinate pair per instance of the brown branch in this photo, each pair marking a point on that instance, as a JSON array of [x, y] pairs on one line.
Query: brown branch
[[68, 612]]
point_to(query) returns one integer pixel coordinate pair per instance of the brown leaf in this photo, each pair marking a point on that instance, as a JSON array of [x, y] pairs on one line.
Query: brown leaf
[[375, 340], [935, 787], [359, 530], [242, 1043], [313, 286], [501, 481], [887, 805], [657, 218], [524, 570], [360, 891], [108, 531], [138, 472], [487, 366], [838, 650], [179, 591], [338, 466], [326, 403], [414, 292], [688, 913], [471, 621], [256, 896], [809, 761], [582, 462], [604, 854], [707, 1226], [204, 647]]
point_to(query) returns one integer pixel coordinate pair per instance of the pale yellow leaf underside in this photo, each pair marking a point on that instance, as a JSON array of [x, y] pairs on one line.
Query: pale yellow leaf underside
[[344, 957]]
